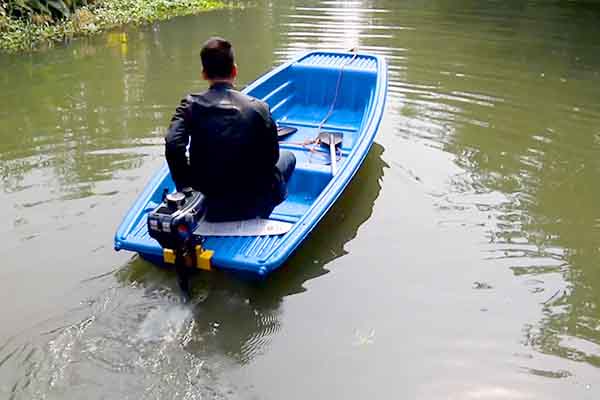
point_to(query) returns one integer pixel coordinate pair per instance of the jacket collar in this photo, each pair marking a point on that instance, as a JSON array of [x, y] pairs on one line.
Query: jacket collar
[[221, 85]]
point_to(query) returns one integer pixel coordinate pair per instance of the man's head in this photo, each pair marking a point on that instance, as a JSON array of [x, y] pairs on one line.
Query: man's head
[[218, 62]]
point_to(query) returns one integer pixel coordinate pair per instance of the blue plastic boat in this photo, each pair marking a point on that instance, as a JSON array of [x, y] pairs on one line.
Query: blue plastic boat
[[335, 92]]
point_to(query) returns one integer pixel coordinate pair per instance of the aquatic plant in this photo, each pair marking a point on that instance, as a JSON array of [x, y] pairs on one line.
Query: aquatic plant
[[36, 9], [20, 31]]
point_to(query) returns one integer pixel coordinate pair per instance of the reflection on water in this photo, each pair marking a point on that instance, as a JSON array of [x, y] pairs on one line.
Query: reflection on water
[[487, 181]]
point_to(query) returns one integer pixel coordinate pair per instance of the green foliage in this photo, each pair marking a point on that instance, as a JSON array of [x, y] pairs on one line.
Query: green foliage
[[125, 11], [22, 31], [55, 9]]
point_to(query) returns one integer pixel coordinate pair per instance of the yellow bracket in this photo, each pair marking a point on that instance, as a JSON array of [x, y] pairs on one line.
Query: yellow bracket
[[169, 256], [203, 258]]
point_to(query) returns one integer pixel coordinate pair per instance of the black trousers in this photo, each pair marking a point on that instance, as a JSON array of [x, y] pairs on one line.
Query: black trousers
[[233, 209]]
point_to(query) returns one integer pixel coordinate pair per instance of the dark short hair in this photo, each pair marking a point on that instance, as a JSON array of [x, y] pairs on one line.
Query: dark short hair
[[217, 58]]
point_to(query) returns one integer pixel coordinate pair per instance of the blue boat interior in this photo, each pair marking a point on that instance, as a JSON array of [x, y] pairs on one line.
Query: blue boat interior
[[301, 96], [335, 90]]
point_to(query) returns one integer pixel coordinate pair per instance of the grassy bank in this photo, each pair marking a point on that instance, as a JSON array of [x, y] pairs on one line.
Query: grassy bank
[[35, 31]]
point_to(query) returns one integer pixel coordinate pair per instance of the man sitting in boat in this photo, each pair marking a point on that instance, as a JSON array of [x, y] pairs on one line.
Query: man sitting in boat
[[234, 157]]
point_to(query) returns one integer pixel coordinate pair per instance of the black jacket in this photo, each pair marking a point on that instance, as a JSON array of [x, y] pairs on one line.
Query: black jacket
[[233, 146]]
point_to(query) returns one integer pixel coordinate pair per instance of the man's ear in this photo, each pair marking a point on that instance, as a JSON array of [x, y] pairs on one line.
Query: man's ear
[[204, 76], [234, 71]]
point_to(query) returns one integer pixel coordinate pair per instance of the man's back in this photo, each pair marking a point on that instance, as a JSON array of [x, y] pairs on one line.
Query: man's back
[[233, 147]]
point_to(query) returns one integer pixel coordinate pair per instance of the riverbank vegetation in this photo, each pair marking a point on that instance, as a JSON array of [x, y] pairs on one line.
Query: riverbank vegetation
[[31, 24]]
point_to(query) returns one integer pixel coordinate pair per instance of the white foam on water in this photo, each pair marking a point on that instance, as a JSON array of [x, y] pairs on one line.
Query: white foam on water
[[163, 324]]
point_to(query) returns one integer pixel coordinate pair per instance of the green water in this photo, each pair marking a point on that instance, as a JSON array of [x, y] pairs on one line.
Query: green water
[[461, 263]]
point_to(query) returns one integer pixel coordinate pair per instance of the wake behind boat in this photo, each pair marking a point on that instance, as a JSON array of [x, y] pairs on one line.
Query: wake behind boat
[[329, 106]]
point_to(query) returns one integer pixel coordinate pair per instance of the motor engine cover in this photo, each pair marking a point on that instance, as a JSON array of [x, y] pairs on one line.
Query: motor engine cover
[[175, 219]]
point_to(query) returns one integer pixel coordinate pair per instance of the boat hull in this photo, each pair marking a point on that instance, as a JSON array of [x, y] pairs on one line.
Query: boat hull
[[300, 94]]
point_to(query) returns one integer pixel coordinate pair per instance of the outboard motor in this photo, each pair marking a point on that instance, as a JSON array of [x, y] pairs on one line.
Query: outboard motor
[[174, 221], [172, 224]]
